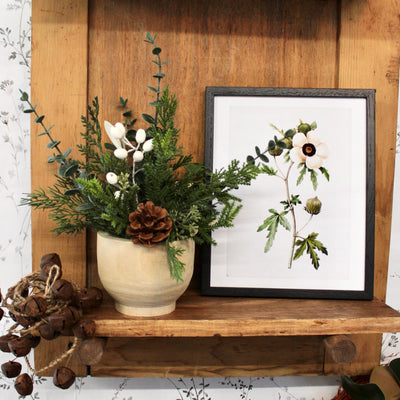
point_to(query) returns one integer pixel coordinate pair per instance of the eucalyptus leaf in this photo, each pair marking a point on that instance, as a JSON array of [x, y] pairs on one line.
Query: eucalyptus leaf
[[53, 144], [39, 120], [160, 75], [67, 153], [109, 146], [84, 207], [148, 118]]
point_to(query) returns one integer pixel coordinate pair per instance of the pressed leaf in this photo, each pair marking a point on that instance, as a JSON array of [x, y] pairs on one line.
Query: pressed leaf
[[264, 158], [258, 151], [156, 50], [271, 145], [29, 111], [250, 160], [302, 173], [284, 222], [24, 96], [160, 75], [368, 391], [313, 125], [325, 173], [314, 180]]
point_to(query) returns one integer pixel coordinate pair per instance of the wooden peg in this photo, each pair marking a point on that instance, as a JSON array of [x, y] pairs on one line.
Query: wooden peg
[[340, 348], [91, 350]]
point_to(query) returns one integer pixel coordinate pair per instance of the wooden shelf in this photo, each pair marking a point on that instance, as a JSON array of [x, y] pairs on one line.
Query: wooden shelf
[[200, 316]]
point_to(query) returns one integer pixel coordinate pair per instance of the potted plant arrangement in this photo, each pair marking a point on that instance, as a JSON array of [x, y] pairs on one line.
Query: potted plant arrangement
[[147, 200]]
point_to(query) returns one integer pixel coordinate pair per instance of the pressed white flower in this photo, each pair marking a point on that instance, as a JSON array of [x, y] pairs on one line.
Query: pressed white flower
[[137, 156], [140, 136], [309, 149], [112, 178], [118, 131], [120, 153], [148, 145], [117, 194]]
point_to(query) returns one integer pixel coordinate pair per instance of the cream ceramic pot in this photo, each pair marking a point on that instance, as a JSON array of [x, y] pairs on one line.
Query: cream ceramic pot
[[138, 277]]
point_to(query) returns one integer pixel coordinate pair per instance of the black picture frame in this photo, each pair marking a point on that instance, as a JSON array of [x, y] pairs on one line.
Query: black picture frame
[[217, 99]]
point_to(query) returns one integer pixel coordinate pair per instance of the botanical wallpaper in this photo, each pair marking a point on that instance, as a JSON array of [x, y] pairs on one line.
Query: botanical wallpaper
[[15, 255]]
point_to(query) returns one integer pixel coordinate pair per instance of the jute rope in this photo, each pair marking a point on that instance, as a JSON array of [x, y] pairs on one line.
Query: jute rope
[[15, 299]]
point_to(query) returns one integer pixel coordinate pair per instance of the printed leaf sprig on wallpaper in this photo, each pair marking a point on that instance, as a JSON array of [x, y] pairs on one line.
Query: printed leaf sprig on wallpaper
[[302, 146], [141, 175]]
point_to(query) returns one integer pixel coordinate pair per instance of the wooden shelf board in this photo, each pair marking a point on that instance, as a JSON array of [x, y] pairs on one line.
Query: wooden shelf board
[[201, 316]]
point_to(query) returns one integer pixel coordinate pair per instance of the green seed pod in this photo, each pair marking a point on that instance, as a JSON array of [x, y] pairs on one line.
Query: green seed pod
[[313, 206], [277, 151], [304, 128]]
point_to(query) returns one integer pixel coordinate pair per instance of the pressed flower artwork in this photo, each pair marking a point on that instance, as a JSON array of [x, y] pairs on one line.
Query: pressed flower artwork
[[306, 226], [300, 147]]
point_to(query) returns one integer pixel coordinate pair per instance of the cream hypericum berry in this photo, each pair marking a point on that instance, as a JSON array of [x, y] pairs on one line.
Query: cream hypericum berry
[[140, 136], [112, 178], [309, 149]]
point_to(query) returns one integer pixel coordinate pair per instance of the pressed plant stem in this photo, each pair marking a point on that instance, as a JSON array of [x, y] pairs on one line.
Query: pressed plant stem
[[291, 208]]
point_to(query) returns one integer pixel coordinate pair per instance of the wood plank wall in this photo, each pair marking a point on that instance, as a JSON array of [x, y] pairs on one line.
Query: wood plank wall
[[59, 86], [85, 49]]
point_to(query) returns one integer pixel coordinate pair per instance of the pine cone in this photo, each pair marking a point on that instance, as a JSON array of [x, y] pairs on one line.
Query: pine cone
[[149, 224]]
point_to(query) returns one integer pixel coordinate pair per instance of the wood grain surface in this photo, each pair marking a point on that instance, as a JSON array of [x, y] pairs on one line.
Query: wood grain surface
[[59, 81], [197, 315]]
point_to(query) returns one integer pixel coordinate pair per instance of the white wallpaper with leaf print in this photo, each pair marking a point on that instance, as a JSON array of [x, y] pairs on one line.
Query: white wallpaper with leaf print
[[15, 256]]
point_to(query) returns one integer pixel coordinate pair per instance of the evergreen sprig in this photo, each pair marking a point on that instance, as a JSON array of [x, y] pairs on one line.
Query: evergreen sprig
[[197, 199]]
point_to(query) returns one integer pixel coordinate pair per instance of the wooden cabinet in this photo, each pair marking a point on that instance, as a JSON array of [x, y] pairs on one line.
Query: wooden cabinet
[[95, 48]]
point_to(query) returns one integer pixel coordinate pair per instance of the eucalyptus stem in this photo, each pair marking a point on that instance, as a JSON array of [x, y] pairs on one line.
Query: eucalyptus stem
[[39, 120]]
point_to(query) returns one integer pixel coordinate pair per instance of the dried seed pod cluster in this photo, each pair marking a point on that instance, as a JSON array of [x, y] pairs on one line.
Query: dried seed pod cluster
[[43, 305]]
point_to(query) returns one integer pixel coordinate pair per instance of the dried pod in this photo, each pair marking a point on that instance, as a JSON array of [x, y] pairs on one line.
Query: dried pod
[[67, 332], [11, 369], [32, 340], [63, 289], [34, 306], [59, 321], [47, 332], [66, 318], [12, 316], [50, 259], [45, 271], [63, 377], [25, 292], [24, 385], [85, 328], [24, 321], [19, 346], [88, 298], [4, 342], [73, 314]]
